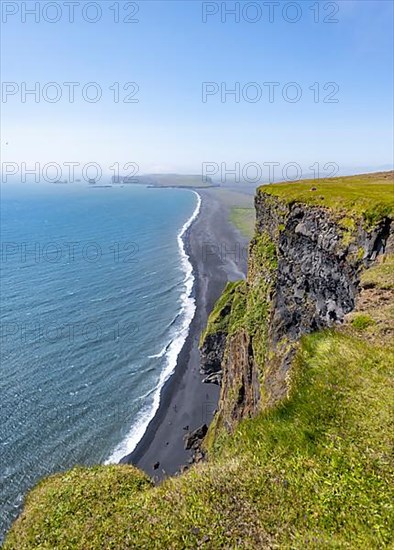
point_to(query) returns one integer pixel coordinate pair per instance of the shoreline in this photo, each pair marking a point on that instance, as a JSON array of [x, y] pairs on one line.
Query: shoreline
[[185, 402], [187, 313]]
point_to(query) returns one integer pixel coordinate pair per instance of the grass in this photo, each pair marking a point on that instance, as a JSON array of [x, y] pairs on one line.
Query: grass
[[241, 208], [369, 196], [244, 220], [316, 472], [380, 276], [374, 314], [362, 321], [228, 310], [244, 305]]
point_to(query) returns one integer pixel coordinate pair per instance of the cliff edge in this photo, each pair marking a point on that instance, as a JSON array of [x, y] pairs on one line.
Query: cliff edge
[[312, 242], [300, 449]]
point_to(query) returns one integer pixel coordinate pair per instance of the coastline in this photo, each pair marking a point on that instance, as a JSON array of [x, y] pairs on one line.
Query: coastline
[[172, 348], [217, 253]]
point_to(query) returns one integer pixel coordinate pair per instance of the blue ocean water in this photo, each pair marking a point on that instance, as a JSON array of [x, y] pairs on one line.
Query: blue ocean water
[[96, 303]]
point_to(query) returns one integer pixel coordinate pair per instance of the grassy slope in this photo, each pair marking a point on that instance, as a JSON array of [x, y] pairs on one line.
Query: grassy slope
[[244, 220], [241, 207], [222, 316], [317, 472]]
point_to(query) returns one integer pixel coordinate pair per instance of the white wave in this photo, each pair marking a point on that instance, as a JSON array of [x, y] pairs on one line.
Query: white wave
[[158, 355], [172, 350], [147, 394]]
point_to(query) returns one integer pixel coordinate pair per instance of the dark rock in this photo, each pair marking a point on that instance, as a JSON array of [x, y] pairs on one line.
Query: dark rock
[[211, 353], [313, 287], [240, 395], [194, 439], [317, 278]]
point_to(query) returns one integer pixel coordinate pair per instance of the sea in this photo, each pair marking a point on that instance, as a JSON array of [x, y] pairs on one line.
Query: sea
[[96, 303]]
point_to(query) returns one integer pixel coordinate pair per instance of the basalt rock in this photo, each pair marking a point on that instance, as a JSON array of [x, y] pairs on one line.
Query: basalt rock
[[303, 275], [240, 393], [212, 352], [193, 440]]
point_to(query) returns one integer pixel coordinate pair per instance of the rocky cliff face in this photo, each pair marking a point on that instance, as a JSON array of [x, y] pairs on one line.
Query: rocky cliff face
[[304, 269]]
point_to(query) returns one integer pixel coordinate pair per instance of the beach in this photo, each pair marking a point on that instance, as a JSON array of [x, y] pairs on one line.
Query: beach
[[218, 253]]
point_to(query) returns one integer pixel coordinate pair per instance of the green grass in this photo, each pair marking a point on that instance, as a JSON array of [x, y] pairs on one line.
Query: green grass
[[369, 196], [246, 306], [362, 321], [244, 219], [228, 311], [316, 472], [374, 314], [380, 276]]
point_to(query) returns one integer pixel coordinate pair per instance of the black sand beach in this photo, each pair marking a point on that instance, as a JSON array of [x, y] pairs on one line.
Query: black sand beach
[[218, 254]]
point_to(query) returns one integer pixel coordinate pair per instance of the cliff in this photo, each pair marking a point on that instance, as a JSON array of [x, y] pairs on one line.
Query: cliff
[[300, 450], [311, 244]]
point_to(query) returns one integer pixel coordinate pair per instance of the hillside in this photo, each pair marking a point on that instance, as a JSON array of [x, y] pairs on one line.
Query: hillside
[[300, 449]]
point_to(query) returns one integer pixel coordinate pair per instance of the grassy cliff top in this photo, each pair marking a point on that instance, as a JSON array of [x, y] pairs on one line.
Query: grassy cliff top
[[366, 195]]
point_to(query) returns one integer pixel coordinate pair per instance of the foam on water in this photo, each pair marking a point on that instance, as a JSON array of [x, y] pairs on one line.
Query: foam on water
[[70, 396], [160, 354], [171, 350]]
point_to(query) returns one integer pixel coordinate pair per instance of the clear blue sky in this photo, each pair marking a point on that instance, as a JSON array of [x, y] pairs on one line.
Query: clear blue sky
[[170, 52]]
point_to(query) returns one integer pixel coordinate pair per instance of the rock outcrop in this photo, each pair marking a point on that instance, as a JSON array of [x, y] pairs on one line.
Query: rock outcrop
[[212, 351], [303, 275], [193, 439]]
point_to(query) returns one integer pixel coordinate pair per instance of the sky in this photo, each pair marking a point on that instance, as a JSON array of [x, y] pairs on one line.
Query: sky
[[331, 104]]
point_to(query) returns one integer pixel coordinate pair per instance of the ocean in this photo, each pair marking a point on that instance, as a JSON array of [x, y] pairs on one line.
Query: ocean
[[96, 301]]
